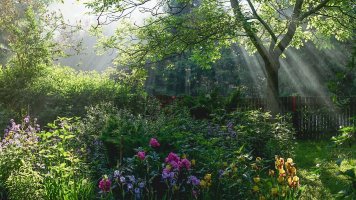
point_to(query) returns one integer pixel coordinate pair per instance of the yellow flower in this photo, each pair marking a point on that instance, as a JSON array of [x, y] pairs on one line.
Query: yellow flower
[[290, 181], [293, 171], [207, 177], [295, 179], [202, 183], [192, 162], [256, 179], [258, 159], [280, 179], [289, 160], [274, 191], [255, 188], [281, 171]]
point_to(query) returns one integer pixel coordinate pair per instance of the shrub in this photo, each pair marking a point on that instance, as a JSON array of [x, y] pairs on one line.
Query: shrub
[[261, 133], [43, 165], [25, 183]]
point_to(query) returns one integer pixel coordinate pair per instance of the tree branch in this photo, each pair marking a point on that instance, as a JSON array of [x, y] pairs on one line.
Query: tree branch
[[251, 34], [313, 10], [269, 30], [282, 45]]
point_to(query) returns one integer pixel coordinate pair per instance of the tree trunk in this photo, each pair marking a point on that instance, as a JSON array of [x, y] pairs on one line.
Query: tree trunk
[[272, 97]]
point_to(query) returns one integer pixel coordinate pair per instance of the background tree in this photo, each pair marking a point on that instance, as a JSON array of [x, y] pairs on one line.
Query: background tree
[[262, 26]]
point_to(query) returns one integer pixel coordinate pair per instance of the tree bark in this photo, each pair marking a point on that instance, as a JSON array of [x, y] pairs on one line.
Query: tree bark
[[272, 93]]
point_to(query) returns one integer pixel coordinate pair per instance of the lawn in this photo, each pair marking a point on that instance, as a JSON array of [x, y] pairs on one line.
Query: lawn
[[318, 169]]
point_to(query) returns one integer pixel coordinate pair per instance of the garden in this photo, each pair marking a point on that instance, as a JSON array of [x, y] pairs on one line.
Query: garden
[[200, 99]]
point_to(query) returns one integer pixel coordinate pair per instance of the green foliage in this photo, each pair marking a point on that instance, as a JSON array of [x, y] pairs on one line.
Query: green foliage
[[62, 91], [262, 134], [343, 85], [68, 189], [202, 29], [346, 136], [122, 133], [25, 183], [50, 163], [350, 191]]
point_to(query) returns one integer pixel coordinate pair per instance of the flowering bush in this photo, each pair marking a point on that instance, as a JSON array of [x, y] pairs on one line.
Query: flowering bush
[[47, 162], [283, 185], [146, 176]]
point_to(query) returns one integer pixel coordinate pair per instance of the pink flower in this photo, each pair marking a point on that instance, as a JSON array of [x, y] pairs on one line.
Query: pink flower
[[173, 160], [185, 163], [105, 184], [172, 157], [154, 143], [141, 155]]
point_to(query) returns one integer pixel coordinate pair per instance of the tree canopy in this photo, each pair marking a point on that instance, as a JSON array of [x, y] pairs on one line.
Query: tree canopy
[[203, 28]]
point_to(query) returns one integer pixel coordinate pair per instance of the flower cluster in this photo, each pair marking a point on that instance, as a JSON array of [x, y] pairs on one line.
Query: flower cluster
[[154, 143], [176, 163], [291, 173], [129, 183], [193, 180], [141, 155], [206, 182], [20, 135], [105, 184], [173, 176]]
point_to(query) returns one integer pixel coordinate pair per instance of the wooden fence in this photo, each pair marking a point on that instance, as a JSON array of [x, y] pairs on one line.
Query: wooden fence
[[312, 117]]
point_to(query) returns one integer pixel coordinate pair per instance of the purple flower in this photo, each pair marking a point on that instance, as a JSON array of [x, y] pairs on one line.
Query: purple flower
[[27, 119], [166, 174], [122, 179], [132, 179], [141, 155], [141, 185], [193, 180], [129, 186], [105, 184], [137, 193], [154, 143], [117, 174]]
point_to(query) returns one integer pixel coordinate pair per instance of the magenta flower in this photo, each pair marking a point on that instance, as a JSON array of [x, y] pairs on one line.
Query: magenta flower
[[173, 160], [105, 184], [141, 155], [154, 143], [185, 163], [172, 157]]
